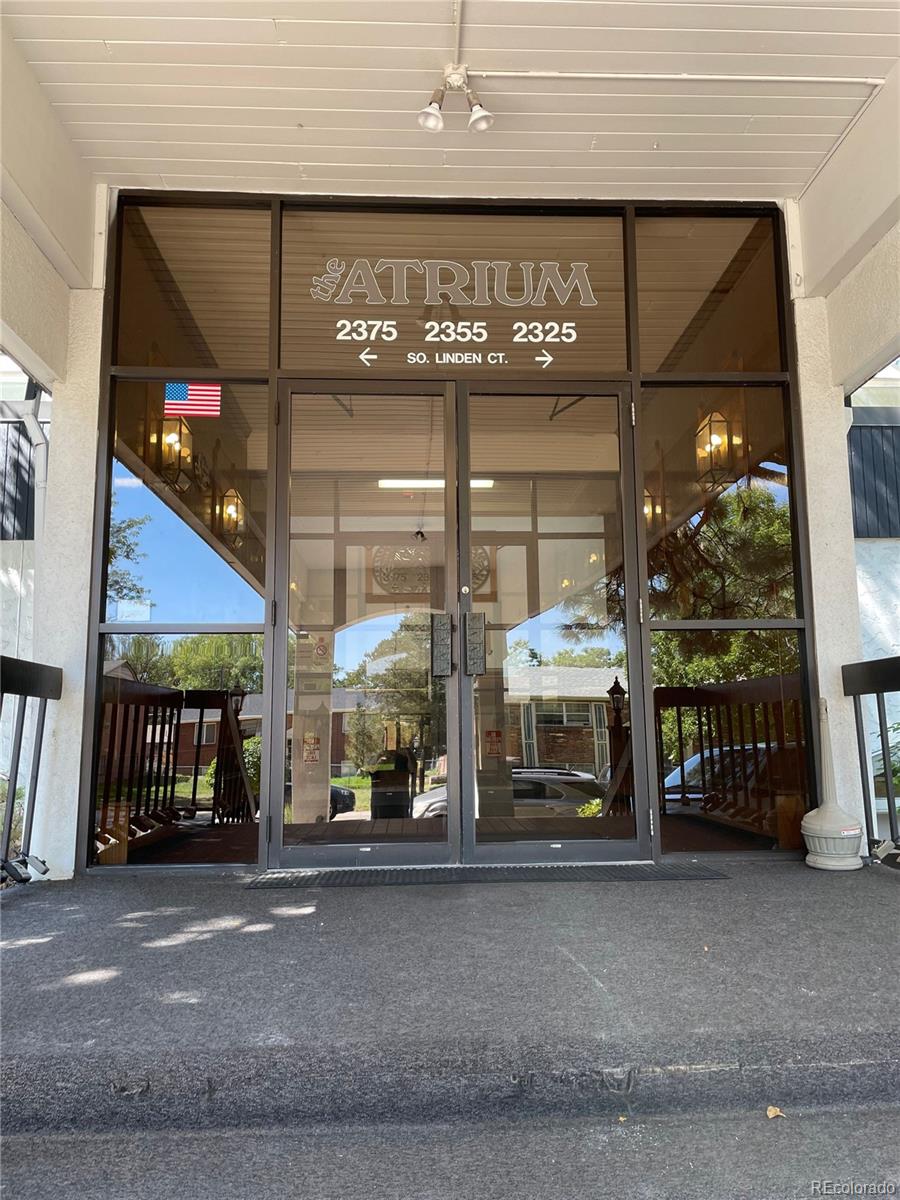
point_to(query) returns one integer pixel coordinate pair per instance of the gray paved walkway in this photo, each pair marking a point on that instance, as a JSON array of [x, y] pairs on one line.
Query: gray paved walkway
[[722, 1156], [144, 1001]]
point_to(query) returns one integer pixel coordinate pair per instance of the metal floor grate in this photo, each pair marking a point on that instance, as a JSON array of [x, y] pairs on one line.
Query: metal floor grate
[[562, 873]]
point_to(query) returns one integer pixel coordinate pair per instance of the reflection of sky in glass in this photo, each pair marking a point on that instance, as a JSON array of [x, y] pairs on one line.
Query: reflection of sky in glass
[[545, 633], [352, 643], [185, 579]]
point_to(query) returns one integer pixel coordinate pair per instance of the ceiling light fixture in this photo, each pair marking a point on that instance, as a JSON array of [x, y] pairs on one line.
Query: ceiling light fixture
[[430, 117], [456, 79], [423, 485], [479, 117]]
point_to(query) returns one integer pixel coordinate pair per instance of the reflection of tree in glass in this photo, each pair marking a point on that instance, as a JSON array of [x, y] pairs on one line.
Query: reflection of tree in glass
[[226, 661], [124, 547], [731, 561], [217, 661], [365, 736], [395, 676], [520, 653], [146, 655]]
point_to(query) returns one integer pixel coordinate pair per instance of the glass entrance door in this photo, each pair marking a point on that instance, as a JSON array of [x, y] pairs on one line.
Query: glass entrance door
[[454, 659], [550, 583], [369, 571]]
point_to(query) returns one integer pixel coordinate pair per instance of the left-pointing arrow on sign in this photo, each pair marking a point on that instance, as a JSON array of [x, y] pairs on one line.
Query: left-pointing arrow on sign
[[367, 356], [545, 358]]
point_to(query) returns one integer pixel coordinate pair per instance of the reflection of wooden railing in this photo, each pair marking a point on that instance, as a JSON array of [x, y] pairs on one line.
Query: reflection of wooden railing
[[748, 743], [138, 762], [233, 796]]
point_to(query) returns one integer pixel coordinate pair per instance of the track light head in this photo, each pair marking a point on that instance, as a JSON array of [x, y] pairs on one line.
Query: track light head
[[430, 117], [479, 117]]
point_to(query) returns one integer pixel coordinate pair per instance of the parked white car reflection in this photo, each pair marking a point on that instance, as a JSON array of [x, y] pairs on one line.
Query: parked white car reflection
[[550, 792]]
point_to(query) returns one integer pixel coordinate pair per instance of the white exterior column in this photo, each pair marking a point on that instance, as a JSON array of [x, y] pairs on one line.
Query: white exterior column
[[62, 582], [834, 606]]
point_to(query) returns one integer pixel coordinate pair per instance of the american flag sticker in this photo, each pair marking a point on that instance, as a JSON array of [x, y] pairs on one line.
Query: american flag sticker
[[193, 400]]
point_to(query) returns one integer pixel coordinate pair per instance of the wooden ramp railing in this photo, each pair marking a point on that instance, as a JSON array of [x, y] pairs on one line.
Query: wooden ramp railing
[[233, 797], [142, 775], [736, 753]]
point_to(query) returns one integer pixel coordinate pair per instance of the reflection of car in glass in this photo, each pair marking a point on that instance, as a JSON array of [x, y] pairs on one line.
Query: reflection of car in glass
[[727, 771], [341, 800], [536, 792]]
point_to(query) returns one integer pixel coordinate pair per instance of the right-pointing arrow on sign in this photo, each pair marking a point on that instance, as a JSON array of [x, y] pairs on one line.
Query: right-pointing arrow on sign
[[545, 358], [367, 356]]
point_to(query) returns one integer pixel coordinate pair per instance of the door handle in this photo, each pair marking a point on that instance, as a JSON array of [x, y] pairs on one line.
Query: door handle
[[441, 642], [474, 656]]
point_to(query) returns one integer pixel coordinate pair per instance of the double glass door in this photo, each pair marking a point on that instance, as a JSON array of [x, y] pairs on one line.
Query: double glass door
[[456, 658]]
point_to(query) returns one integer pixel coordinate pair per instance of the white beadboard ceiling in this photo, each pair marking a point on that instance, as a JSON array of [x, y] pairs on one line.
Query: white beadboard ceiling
[[321, 95]]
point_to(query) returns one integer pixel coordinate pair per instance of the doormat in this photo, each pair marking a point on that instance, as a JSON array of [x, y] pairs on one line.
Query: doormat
[[551, 873]]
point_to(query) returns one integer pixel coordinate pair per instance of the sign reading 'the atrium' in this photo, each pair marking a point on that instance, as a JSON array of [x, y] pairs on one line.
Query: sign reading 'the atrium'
[[419, 294]]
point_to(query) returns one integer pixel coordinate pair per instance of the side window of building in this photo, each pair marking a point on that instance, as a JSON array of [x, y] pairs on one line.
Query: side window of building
[[208, 735], [874, 451], [874, 446]]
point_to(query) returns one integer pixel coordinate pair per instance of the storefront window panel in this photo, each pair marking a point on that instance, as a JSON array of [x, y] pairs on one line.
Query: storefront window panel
[[419, 293], [194, 287], [717, 504], [188, 498], [179, 750], [707, 294], [729, 717]]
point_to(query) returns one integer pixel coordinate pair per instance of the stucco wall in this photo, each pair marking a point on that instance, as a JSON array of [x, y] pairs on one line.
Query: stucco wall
[[34, 304], [854, 199], [62, 579], [864, 315], [45, 180], [823, 428]]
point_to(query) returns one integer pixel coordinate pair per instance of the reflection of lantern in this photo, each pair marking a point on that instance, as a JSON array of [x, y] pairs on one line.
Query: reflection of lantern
[[232, 517], [617, 698], [617, 695], [176, 451], [718, 439], [653, 509]]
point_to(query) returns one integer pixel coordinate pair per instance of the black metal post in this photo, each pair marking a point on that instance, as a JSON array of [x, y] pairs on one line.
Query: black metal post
[[18, 732], [863, 749], [888, 769], [31, 797]]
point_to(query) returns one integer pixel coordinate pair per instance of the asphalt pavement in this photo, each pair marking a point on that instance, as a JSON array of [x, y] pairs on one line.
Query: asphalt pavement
[[733, 1156]]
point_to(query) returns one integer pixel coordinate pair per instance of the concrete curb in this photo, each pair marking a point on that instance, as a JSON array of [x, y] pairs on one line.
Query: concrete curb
[[416, 1081]]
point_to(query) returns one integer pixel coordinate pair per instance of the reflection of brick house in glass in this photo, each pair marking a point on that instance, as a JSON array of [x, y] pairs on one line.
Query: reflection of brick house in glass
[[559, 716], [344, 702]]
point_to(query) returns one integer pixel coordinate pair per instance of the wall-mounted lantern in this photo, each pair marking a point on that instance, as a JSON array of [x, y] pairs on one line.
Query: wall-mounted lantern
[[176, 453], [653, 509], [232, 515], [719, 440]]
